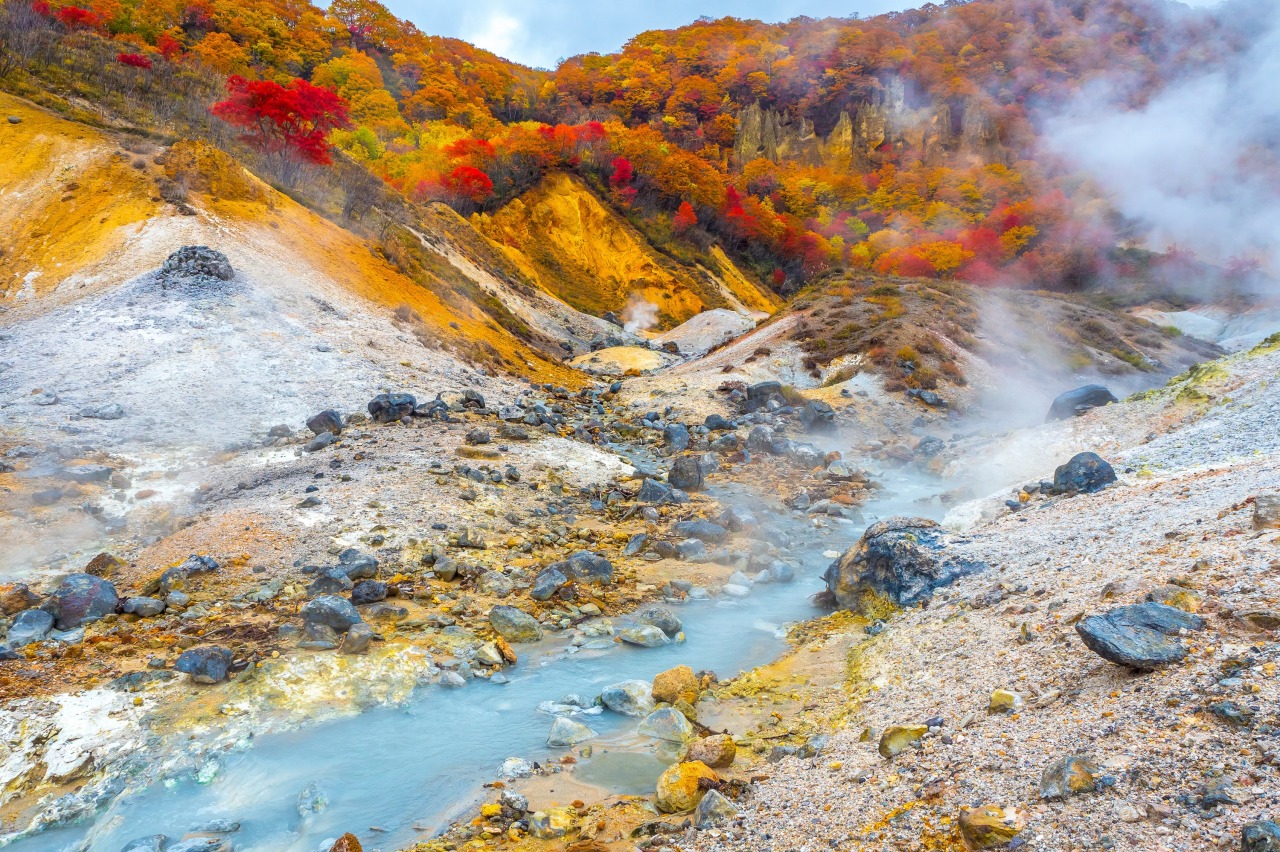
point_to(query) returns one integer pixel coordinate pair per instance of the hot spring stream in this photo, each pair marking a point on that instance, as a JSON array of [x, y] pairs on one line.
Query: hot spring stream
[[425, 762]]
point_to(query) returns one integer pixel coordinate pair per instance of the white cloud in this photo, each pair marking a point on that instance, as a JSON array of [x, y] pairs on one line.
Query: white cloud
[[499, 32]]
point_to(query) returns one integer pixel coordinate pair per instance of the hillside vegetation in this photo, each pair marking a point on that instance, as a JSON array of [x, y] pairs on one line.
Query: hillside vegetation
[[898, 145]]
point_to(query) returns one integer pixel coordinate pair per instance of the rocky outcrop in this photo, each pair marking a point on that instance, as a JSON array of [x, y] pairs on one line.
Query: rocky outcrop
[[898, 562], [961, 125]]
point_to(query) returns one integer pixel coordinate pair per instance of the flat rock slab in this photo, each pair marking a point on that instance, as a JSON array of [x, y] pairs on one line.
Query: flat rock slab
[[1142, 636]]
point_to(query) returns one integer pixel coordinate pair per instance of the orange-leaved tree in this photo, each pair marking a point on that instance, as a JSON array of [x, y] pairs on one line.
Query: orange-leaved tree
[[289, 125]]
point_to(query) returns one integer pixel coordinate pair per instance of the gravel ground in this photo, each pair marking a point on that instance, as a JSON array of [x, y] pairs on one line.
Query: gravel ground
[[1180, 514]]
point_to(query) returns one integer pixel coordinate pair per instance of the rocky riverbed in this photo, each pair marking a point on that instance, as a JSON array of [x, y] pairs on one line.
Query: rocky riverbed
[[1095, 637]]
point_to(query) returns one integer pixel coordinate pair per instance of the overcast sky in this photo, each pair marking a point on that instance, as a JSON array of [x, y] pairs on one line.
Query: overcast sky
[[541, 32]]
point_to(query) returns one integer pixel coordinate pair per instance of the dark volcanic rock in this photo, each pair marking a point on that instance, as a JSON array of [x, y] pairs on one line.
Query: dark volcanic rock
[[368, 591], [81, 598], [332, 612], [898, 560], [549, 581], [704, 530], [587, 567], [326, 421], [357, 565], [209, 664], [389, 407], [686, 473], [32, 625], [677, 437], [1078, 401], [1141, 636], [1084, 474], [818, 417], [653, 491], [718, 423], [661, 618], [197, 262], [1261, 836]]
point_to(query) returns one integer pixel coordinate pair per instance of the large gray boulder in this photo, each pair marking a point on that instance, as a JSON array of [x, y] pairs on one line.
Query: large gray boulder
[[209, 664], [515, 625], [79, 599], [897, 562], [1142, 636], [331, 611]]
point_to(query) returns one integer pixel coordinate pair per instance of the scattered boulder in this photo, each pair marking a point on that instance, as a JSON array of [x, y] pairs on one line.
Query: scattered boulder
[[368, 591], [326, 421], [1141, 636], [680, 788], [678, 684], [150, 843], [551, 824], [16, 598], [667, 723], [1261, 836], [713, 810], [898, 738], [898, 561], [630, 698], [514, 625], [818, 417], [718, 423], [548, 581], [357, 639], [686, 473], [79, 599], [1076, 402], [208, 664], [1068, 776], [566, 733], [717, 751], [32, 625], [653, 491], [644, 635], [390, 407], [660, 617], [704, 530], [676, 436], [990, 826], [1266, 511], [143, 607], [331, 611], [1086, 473]]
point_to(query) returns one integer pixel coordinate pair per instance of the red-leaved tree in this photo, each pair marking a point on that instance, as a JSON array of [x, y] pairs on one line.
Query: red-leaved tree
[[684, 219], [133, 60], [288, 124], [75, 18], [470, 184]]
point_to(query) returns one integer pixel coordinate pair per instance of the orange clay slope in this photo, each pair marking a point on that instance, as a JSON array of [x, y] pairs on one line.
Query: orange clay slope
[[578, 249], [81, 210]]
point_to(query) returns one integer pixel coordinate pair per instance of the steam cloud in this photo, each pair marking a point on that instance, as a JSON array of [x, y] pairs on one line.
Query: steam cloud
[[639, 315], [1198, 166]]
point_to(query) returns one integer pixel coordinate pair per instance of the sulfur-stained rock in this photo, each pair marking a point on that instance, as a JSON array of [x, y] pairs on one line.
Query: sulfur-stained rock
[[676, 684], [347, 843], [897, 562], [1004, 701], [990, 826], [680, 788], [898, 738], [717, 751], [551, 823], [514, 625], [1066, 776]]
